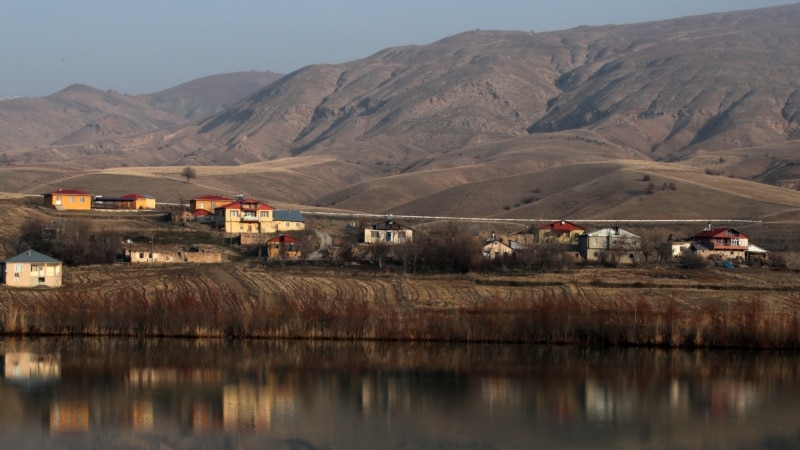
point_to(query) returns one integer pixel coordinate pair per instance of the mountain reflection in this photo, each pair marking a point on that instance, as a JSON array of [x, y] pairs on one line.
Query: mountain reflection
[[367, 394]]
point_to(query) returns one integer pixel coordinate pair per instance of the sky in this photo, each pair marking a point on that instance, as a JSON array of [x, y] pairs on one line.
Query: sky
[[145, 46]]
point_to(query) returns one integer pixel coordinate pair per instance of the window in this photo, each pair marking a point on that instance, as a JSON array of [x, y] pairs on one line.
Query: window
[[72, 199], [265, 214], [376, 234], [202, 205], [234, 213], [17, 267], [389, 236], [83, 199]]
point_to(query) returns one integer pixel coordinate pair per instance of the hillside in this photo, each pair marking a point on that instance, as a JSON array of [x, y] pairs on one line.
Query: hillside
[[664, 88], [204, 97], [484, 123]]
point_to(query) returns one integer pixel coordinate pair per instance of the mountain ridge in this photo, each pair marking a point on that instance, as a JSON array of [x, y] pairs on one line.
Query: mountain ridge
[[717, 93]]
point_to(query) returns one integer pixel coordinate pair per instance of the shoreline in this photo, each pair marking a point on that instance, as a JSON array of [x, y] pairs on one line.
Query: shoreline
[[652, 307]]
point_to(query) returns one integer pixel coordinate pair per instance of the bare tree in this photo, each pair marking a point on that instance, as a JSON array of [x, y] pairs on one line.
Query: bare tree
[[189, 173]]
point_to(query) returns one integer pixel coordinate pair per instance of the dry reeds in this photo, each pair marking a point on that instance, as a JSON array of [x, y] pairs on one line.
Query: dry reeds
[[313, 314]]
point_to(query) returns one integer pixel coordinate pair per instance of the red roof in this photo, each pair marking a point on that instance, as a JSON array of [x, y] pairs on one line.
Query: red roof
[[284, 238], [201, 212], [240, 203], [212, 197], [133, 196], [719, 232], [67, 192], [561, 225]]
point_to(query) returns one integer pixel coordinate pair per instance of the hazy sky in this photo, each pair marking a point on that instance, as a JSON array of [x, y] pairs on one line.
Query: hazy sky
[[144, 46]]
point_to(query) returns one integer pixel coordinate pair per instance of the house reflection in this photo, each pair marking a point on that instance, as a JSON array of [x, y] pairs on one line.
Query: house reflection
[[69, 416], [26, 365], [248, 406]]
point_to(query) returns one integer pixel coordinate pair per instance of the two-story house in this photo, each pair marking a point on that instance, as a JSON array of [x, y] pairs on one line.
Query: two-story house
[[68, 199], [248, 219], [610, 245], [559, 232], [202, 208], [722, 243], [32, 269], [388, 231]]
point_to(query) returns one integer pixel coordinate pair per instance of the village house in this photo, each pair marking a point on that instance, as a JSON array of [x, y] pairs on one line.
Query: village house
[[559, 232], [388, 231], [498, 247], [202, 208], [127, 201], [720, 243], [68, 199], [495, 249], [284, 247], [192, 255], [610, 245], [288, 220], [32, 269], [248, 219]]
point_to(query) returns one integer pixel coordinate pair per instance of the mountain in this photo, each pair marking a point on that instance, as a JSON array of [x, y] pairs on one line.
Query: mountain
[[665, 89], [60, 118], [486, 124], [207, 96]]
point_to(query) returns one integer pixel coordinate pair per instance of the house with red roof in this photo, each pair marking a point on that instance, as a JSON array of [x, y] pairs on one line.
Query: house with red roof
[[559, 232], [202, 208], [720, 243], [284, 247], [127, 201], [246, 217], [68, 199]]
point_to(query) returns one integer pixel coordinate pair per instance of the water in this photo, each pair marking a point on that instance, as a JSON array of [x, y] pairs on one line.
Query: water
[[168, 393]]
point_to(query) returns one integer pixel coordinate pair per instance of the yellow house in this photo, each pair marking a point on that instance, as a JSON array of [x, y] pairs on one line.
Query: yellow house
[[31, 269], [136, 201], [208, 203], [245, 217], [559, 232], [68, 199], [284, 247], [288, 220]]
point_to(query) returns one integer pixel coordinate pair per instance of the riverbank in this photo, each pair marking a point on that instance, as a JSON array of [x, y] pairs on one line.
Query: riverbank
[[656, 306]]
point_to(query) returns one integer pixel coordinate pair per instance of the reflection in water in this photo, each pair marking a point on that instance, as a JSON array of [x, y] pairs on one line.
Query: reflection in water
[[253, 394]]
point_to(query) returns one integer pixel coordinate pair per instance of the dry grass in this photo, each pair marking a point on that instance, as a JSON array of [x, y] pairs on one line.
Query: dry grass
[[743, 308]]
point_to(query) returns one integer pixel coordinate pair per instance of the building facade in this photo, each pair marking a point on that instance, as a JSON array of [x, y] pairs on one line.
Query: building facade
[[389, 232], [32, 269], [610, 245], [720, 243], [245, 217], [68, 199]]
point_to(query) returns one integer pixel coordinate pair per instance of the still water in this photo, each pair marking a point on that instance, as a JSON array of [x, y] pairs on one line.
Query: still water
[[171, 393]]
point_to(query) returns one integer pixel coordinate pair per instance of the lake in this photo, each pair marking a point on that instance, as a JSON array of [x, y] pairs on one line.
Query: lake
[[283, 394]]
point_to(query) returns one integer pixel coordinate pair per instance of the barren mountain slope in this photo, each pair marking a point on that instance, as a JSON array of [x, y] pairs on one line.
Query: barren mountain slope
[[203, 97], [716, 81], [666, 88], [76, 111]]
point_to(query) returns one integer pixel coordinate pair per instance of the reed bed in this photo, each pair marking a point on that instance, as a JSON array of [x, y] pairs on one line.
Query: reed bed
[[315, 314]]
